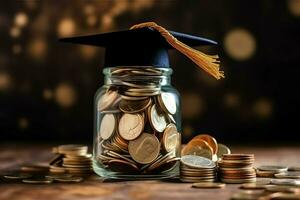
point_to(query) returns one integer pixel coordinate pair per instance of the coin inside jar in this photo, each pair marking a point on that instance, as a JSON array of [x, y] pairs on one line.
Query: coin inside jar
[[129, 106], [131, 126], [168, 102], [157, 120], [107, 126], [170, 138], [144, 149], [107, 100]]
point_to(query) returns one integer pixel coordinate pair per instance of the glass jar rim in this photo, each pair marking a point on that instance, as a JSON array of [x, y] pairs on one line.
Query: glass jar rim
[[165, 71]]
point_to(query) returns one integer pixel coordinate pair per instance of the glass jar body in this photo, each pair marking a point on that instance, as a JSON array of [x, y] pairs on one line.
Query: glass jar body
[[137, 124]]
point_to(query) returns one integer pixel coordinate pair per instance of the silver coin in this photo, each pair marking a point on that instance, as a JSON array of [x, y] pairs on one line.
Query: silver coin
[[107, 126], [292, 182], [288, 174], [197, 161], [273, 168]]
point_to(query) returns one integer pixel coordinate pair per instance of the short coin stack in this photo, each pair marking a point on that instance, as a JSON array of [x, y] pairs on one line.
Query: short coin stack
[[237, 168], [268, 171], [71, 159], [197, 169]]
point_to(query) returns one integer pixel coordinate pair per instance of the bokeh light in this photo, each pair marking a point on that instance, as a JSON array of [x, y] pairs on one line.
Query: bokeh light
[[47, 94], [239, 44], [23, 123], [294, 7], [87, 52], [15, 32], [192, 105], [37, 48], [231, 100], [16, 49], [5, 81], [263, 108], [65, 95], [66, 27], [187, 131], [21, 19]]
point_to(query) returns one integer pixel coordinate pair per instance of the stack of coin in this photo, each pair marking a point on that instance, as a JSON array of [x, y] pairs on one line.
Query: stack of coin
[[195, 168], [136, 127], [71, 159], [206, 146], [237, 168], [268, 171]]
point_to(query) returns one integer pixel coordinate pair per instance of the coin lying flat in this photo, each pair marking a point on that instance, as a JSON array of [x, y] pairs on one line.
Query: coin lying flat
[[17, 176], [131, 126], [69, 179], [107, 126], [168, 102], [34, 168], [208, 185], [288, 174], [38, 181], [282, 188], [294, 168], [197, 161], [144, 149], [170, 138], [273, 168], [283, 195], [253, 186], [212, 142], [72, 149], [106, 100], [157, 120], [291, 182]]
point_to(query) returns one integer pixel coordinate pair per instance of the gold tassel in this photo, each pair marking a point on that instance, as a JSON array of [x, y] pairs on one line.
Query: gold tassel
[[209, 63]]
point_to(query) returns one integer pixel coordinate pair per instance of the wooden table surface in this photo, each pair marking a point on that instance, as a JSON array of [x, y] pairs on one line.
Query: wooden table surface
[[12, 156]]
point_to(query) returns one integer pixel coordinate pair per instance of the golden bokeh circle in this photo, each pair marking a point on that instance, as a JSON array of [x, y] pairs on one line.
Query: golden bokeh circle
[[65, 95], [294, 7], [240, 44]]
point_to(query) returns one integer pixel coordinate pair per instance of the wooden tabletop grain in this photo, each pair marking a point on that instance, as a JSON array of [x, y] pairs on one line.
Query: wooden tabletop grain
[[12, 156]]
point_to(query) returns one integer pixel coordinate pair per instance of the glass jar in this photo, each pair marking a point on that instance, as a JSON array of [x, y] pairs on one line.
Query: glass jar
[[137, 124]]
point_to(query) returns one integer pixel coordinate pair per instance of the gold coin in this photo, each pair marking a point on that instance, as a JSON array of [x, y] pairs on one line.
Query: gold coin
[[222, 149], [107, 126], [208, 185], [157, 120], [168, 102], [38, 181], [212, 142], [73, 149], [253, 186], [106, 100], [131, 126], [170, 138], [198, 147], [288, 174], [68, 179], [144, 149], [129, 106]]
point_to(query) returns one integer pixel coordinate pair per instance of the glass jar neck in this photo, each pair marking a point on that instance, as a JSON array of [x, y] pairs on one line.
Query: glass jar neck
[[137, 75]]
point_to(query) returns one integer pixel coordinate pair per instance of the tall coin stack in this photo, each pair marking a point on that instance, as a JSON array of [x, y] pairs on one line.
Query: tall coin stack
[[71, 159], [136, 129], [237, 168], [195, 168]]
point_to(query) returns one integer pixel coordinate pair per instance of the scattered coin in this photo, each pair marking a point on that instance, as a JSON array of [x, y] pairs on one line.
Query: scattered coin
[[253, 186], [69, 179], [38, 181], [198, 147], [288, 174], [212, 142], [282, 188], [208, 185], [291, 182], [273, 168], [17, 176], [222, 149]]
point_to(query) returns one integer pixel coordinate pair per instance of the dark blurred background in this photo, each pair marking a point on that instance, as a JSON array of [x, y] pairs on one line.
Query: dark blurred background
[[47, 88]]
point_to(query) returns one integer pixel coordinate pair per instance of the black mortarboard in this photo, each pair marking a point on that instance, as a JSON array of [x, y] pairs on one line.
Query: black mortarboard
[[137, 47]]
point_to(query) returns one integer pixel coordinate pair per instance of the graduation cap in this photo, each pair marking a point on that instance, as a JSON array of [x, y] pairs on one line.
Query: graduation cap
[[147, 44]]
